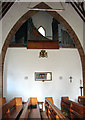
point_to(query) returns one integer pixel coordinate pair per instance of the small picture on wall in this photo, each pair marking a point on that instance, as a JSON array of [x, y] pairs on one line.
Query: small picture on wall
[[46, 76]]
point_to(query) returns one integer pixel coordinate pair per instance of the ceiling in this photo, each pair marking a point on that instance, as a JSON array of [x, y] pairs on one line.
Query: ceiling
[[77, 6]]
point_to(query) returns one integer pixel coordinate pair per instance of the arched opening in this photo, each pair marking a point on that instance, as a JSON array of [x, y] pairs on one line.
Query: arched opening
[[60, 19]]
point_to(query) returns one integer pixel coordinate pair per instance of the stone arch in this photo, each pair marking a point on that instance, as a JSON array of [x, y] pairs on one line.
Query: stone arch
[[61, 20]]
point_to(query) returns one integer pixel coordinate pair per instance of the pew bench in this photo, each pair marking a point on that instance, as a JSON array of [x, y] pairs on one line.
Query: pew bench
[[43, 115], [34, 113], [72, 109], [34, 110], [26, 111], [77, 111], [12, 109], [65, 106], [52, 111], [31, 110]]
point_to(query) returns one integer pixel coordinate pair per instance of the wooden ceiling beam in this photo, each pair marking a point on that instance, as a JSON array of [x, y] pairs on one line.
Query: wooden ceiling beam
[[5, 6], [82, 12], [78, 11], [82, 6]]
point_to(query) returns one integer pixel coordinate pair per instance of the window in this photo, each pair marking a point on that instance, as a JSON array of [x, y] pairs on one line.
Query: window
[[42, 30]]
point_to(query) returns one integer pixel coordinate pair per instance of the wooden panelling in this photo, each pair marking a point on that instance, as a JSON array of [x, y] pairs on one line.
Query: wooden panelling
[[42, 45]]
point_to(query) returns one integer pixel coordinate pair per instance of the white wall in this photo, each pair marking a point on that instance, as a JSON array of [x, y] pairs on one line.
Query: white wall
[[63, 63]]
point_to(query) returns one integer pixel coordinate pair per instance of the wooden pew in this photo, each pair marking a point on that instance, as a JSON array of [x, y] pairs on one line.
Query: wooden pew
[[81, 100], [65, 106], [72, 109], [77, 111], [50, 99], [26, 111], [43, 115], [2, 100], [34, 112], [29, 112], [52, 111], [12, 109]]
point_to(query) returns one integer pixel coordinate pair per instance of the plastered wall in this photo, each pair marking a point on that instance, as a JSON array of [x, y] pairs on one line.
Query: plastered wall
[[21, 63]]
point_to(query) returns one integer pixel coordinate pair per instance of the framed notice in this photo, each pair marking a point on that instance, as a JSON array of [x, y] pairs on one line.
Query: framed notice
[[43, 76]]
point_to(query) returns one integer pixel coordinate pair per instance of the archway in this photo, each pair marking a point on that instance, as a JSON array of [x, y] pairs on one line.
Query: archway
[[61, 20]]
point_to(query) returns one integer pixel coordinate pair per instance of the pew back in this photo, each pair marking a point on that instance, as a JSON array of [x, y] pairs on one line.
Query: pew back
[[65, 106], [25, 112], [18, 101], [12, 105], [50, 99], [77, 111], [52, 111], [33, 100], [7, 106], [73, 109]]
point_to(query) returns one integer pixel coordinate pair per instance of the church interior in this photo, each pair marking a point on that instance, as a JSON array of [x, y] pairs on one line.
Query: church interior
[[42, 59]]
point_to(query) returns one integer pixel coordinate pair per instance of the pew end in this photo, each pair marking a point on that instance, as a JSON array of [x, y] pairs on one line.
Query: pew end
[[12, 109], [2, 100], [81, 100]]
